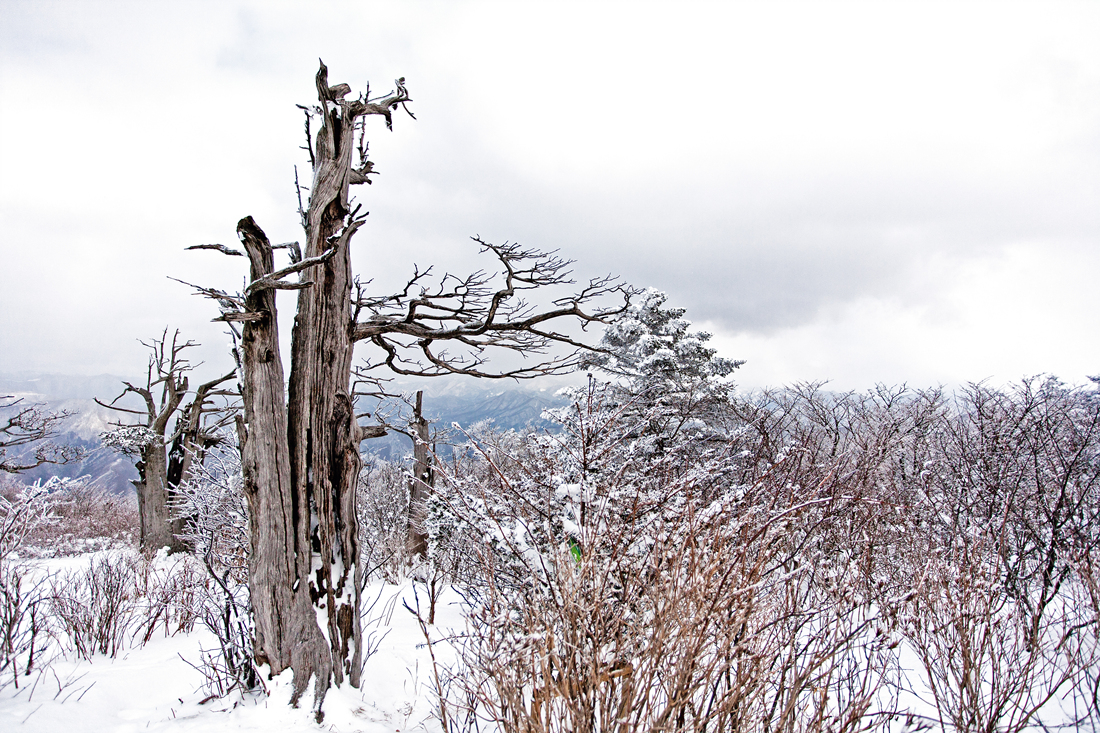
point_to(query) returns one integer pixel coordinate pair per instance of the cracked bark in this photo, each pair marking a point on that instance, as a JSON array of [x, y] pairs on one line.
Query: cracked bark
[[287, 633], [301, 455], [423, 479]]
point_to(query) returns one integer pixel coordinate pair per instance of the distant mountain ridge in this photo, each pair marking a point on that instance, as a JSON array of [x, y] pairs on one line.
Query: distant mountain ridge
[[53, 387], [507, 406], [464, 401]]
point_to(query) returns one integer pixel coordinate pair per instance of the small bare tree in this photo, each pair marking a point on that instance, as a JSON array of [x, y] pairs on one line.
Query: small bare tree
[[300, 447], [169, 435], [23, 426]]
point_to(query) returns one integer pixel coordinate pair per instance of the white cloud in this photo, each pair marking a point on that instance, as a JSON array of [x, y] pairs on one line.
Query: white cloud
[[1030, 310], [850, 191]]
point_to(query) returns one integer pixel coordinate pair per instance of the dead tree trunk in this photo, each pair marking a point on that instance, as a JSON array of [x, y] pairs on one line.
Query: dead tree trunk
[[324, 450], [167, 371], [152, 492], [301, 457], [423, 479], [165, 423], [287, 634]]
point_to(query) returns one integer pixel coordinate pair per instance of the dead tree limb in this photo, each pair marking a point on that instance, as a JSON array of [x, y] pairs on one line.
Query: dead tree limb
[[23, 424]]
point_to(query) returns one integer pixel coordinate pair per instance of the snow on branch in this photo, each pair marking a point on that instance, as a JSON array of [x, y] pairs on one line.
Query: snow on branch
[[28, 424]]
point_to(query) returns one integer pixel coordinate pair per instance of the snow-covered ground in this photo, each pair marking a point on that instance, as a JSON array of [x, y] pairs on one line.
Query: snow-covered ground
[[153, 687], [157, 686]]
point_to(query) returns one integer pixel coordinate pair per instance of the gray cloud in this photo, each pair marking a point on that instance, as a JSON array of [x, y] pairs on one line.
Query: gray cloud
[[772, 172]]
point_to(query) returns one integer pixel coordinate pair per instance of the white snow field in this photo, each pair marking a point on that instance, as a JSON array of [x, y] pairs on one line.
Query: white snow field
[[158, 686], [153, 687]]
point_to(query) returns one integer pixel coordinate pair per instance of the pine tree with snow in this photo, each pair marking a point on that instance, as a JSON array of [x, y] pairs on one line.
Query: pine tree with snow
[[666, 374]]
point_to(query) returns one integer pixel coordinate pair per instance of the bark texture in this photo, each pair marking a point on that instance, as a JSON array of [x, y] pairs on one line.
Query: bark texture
[[301, 457], [287, 634], [152, 493], [423, 480], [324, 452]]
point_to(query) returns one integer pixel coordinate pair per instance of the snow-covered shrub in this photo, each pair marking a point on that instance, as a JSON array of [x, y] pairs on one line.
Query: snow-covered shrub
[[622, 588], [980, 510], [382, 503], [84, 517], [1006, 621], [23, 510], [129, 439], [93, 607], [989, 663], [232, 665], [24, 637], [171, 591], [213, 500]]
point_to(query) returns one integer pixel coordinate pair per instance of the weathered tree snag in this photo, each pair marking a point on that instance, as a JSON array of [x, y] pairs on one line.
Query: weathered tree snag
[[323, 434], [165, 423], [287, 634], [152, 489], [152, 492], [423, 479], [301, 457]]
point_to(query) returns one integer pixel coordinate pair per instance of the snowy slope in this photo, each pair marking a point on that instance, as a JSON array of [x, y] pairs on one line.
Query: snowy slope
[[153, 687]]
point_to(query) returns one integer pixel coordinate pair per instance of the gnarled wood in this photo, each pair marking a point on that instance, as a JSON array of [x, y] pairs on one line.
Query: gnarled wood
[[301, 457], [175, 434], [287, 634], [155, 520], [323, 435]]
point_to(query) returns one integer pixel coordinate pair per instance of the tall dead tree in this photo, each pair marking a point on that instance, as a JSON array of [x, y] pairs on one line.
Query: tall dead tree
[[300, 450], [171, 431]]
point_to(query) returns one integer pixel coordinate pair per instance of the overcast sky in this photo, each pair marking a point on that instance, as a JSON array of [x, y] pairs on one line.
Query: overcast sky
[[871, 192]]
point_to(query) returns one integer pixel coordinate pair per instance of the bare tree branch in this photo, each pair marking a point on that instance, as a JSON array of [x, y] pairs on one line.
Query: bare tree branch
[[294, 247], [28, 424], [482, 311], [272, 280], [220, 248]]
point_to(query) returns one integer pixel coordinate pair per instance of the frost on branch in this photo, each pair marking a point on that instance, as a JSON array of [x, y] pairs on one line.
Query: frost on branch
[[129, 440], [665, 374], [31, 425], [650, 343]]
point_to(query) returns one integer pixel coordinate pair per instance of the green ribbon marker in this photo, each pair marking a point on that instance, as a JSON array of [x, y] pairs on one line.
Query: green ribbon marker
[[575, 550]]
